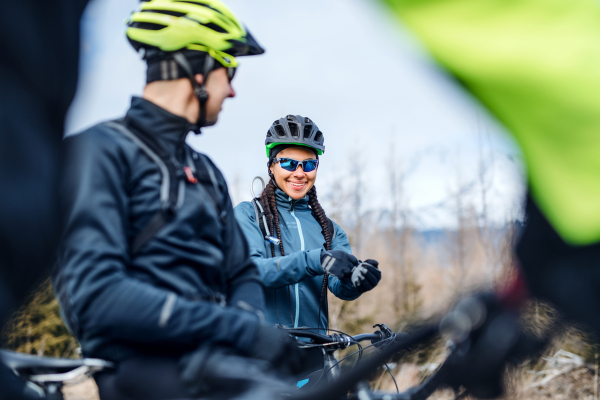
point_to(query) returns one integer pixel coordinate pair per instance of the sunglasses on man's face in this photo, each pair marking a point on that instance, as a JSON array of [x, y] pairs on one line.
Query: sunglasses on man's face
[[231, 73], [229, 62], [289, 164]]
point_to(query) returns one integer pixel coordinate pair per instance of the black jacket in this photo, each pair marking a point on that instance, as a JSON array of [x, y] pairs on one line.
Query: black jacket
[[162, 298]]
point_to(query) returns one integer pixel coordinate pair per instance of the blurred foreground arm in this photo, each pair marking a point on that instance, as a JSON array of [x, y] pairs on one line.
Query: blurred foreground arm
[[534, 65]]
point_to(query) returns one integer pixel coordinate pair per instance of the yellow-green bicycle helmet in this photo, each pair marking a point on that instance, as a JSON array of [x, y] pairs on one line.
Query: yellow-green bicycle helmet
[[207, 25], [182, 38]]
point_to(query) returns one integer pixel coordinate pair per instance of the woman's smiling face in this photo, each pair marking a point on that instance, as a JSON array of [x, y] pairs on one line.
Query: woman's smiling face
[[297, 183]]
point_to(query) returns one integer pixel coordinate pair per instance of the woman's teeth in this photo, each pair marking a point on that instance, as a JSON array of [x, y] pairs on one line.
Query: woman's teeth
[[297, 185]]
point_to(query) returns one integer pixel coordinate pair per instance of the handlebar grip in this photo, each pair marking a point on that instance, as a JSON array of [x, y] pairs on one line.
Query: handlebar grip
[[367, 336]]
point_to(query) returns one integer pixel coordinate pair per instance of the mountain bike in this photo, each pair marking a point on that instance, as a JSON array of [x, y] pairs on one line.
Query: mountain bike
[[483, 337], [474, 365], [329, 344], [331, 374]]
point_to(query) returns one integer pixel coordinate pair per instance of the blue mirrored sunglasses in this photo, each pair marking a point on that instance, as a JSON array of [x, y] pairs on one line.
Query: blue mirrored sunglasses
[[289, 164]]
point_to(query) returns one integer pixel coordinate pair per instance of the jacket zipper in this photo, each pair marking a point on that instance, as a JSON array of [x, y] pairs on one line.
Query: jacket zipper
[[291, 210]]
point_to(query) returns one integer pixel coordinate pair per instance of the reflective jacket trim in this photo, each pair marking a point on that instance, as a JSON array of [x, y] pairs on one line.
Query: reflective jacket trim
[[165, 184], [167, 310]]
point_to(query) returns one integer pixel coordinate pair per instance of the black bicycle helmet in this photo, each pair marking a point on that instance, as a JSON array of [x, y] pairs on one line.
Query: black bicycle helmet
[[296, 130]]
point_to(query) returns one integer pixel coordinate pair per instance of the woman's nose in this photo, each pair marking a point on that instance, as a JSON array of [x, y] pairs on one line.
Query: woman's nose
[[299, 172]]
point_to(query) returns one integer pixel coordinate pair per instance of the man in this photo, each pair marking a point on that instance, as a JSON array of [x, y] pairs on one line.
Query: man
[[152, 264]]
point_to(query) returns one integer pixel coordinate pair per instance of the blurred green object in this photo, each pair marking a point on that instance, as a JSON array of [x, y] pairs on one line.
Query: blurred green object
[[535, 64]]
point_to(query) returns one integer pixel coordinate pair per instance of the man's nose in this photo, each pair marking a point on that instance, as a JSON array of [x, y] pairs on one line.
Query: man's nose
[[231, 91]]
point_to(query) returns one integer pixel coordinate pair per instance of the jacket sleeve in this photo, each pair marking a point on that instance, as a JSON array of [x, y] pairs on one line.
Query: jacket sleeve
[[343, 290], [276, 272], [102, 296]]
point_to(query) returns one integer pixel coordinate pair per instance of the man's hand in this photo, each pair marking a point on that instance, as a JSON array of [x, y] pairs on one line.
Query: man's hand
[[366, 275], [338, 263]]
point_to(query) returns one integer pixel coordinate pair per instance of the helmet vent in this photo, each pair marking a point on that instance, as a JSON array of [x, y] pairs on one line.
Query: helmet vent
[[279, 130], [199, 3], [148, 26], [294, 131], [269, 134], [215, 27], [166, 12], [319, 137], [291, 118], [307, 131]]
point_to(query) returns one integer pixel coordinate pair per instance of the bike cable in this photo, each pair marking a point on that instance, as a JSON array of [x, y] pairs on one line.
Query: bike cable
[[350, 355], [393, 378], [360, 350]]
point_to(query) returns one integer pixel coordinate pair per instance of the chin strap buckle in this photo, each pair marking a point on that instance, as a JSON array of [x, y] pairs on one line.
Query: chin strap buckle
[[189, 174]]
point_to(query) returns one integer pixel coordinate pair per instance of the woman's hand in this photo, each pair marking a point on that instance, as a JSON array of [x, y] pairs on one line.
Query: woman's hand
[[366, 275], [338, 263]]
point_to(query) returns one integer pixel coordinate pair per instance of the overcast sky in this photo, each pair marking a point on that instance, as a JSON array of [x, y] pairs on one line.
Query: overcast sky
[[350, 68]]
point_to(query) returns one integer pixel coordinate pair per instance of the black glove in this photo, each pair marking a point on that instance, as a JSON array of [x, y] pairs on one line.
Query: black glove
[[279, 349], [366, 275], [338, 263]]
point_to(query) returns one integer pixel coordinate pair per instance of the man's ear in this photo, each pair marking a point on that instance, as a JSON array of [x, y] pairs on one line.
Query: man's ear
[[199, 78]]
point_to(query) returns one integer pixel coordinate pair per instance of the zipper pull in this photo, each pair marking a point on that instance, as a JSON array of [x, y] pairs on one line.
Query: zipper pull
[[273, 240], [190, 175]]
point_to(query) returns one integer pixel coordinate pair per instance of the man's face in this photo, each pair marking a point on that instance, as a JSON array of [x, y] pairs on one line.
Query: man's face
[[218, 88]]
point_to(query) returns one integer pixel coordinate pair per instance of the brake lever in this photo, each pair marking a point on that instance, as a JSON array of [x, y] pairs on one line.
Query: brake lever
[[384, 331]]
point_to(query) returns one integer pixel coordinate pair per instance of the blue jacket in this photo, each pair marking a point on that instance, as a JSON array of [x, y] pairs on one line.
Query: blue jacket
[[300, 270]]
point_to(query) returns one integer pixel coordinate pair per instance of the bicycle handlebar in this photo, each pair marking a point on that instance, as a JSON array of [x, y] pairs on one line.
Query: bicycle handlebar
[[367, 336], [346, 340], [346, 382]]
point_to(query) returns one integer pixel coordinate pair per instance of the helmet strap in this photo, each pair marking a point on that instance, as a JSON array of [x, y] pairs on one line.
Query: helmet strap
[[199, 89]]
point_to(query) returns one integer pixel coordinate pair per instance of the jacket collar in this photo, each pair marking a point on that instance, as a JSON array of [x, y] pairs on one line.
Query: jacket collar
[[168, 129], [283, 200]]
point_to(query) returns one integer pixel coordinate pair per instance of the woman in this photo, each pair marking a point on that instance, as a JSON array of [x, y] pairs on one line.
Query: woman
[[305, 253]]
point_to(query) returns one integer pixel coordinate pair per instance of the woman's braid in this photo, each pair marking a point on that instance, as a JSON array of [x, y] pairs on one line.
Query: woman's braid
[[322, 219], [269, 204], [267, 200]]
